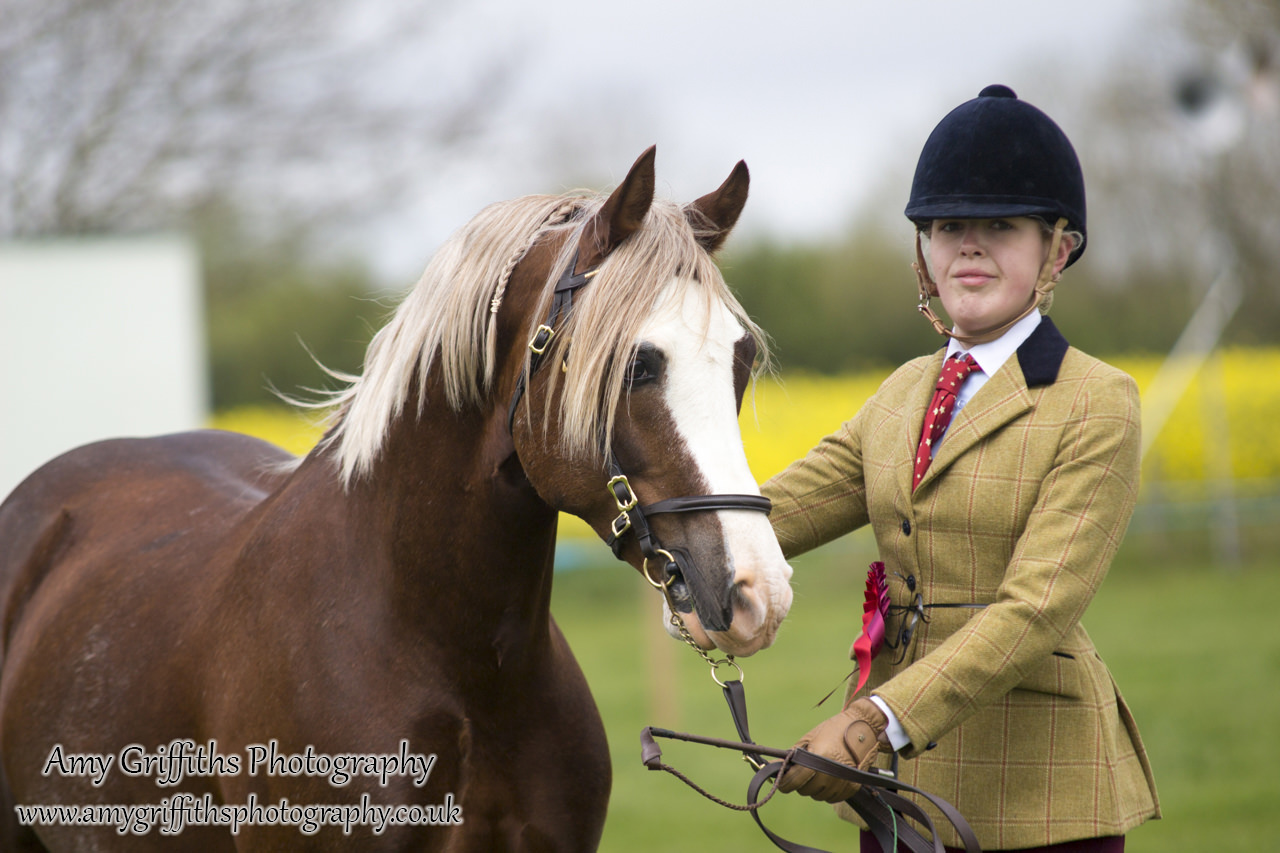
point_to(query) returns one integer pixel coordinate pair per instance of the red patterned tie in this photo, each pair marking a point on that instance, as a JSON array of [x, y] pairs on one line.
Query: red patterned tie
[[936, 420]]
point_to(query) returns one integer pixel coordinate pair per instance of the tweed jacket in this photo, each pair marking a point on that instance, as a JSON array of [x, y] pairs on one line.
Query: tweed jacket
[[1019, 516]]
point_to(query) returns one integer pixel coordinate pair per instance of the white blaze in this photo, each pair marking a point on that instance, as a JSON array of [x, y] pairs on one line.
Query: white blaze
[[698, 338]]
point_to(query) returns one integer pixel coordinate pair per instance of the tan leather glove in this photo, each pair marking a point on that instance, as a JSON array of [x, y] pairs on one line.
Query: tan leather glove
[[852, 737]]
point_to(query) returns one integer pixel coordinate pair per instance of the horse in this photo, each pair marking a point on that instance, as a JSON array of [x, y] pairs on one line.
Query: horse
[[211, 645]]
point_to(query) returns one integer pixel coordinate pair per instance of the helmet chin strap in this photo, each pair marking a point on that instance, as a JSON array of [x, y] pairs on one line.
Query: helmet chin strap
[[1044, 286]]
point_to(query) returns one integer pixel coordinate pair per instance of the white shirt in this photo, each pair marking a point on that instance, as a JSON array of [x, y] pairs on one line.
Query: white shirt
[[990, 357]]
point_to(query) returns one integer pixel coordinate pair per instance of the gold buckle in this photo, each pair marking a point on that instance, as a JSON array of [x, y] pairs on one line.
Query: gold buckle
[[621, 525], [631, 502], [541, 339]]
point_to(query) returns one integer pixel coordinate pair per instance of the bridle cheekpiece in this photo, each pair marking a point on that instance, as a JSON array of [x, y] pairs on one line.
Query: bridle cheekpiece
[[632, 517]]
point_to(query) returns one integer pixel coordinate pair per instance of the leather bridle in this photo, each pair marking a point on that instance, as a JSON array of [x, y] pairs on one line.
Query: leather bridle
[[632, 517]]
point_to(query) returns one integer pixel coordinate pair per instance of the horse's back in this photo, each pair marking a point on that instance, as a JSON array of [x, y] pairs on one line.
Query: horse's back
[[224, 462], [128, 496]]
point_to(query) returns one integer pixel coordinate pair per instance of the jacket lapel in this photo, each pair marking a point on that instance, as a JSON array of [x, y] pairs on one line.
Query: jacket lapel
[[1006, 396]]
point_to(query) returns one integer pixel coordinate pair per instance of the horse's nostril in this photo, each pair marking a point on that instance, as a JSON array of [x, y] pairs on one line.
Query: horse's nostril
[[681, 597], [717, 615]]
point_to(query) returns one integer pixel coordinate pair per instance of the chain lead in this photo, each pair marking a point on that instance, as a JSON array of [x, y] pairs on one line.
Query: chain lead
[[678, 623]]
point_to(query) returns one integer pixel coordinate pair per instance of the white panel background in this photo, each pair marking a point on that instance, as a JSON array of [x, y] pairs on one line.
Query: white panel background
[[98, 339]]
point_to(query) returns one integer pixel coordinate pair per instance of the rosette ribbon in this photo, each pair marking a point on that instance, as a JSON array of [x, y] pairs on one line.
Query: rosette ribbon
[[874, 609]]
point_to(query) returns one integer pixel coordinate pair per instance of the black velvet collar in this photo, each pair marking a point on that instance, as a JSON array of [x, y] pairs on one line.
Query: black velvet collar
[[1041, 354]]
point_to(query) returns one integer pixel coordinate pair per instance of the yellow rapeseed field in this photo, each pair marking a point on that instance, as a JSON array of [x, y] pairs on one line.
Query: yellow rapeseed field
[[1224, 421], [1229, 410], [297, 431]]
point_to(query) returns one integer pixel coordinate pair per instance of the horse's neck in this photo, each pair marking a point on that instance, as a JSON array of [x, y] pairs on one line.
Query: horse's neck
[[450, 467], [461, 543]]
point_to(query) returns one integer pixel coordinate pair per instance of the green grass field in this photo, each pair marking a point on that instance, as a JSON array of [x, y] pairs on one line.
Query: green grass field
[[1196, 651]]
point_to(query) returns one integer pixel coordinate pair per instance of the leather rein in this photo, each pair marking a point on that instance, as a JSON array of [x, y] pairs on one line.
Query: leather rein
[[879, 800]]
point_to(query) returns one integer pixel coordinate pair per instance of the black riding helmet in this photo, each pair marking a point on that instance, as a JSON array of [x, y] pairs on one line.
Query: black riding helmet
[[998, 156]]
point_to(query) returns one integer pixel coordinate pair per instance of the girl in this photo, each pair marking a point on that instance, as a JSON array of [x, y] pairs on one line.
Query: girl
[[998, 476]]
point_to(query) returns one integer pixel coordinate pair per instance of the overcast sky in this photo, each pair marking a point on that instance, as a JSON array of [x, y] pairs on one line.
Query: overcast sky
[[828, 102]]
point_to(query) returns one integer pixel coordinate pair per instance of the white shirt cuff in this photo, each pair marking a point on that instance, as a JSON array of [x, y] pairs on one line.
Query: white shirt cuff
[[894, 731]]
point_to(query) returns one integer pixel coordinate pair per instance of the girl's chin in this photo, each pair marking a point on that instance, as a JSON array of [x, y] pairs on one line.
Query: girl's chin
[[979, 325]]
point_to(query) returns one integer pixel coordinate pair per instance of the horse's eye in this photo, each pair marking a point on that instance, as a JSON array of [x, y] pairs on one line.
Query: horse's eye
[[638, 372], [645, 366]]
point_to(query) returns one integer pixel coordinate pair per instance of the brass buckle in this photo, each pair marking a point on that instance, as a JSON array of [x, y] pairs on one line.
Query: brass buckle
[[631, 502], [541, 339], [621, 525]]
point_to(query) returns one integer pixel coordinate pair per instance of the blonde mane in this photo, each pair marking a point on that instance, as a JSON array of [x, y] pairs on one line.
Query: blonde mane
[[448, 320]]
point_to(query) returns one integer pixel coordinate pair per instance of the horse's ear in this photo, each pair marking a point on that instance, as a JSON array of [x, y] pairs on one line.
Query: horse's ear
[[621, 215], [714, 215]]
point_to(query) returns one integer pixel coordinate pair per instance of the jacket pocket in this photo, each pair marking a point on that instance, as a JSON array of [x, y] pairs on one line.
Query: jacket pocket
[[1058, 675]]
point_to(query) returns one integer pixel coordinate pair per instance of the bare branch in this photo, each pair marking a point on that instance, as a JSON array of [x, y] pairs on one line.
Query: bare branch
[[120, 114]]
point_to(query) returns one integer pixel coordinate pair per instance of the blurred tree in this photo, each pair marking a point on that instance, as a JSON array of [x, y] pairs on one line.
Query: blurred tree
[[118, 115], [1184, 159], [264, 128], [276, 310], [834, 308]]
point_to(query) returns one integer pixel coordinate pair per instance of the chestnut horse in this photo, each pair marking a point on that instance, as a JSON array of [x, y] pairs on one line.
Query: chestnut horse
[[378, 612]]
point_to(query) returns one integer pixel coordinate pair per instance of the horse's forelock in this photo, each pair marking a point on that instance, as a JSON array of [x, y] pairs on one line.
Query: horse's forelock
[[609, 314], [447, 318]]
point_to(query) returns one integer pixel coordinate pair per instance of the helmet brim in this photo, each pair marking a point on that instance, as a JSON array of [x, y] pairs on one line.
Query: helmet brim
[[990, 207], [925, 210]]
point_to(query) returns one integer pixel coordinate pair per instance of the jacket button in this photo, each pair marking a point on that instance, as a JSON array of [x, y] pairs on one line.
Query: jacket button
[[906, 527]]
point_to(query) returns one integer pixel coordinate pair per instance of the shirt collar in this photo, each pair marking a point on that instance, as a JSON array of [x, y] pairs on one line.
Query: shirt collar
[[992, 355]]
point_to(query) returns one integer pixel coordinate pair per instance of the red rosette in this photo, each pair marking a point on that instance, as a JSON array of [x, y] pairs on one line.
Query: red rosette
[[875, 608]]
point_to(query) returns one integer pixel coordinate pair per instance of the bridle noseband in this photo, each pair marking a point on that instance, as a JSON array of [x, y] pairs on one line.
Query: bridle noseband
[[632, 517]]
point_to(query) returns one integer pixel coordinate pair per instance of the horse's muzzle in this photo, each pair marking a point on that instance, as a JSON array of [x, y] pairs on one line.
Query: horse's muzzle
[[692, 589]]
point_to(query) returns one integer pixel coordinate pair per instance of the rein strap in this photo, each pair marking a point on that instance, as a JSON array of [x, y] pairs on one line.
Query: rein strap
[[878, 801]]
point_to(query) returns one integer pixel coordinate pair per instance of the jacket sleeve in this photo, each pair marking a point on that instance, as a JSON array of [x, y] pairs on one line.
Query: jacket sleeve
[[822, 496], [1060, 559]]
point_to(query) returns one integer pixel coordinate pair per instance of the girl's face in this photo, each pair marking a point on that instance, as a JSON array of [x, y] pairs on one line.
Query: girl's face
[[986, 269]]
